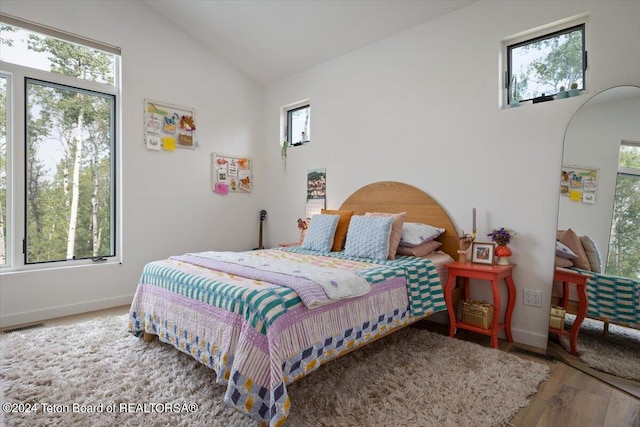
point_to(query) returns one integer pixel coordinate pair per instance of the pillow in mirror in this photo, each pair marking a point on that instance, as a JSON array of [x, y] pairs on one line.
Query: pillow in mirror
[[563, 262], [572, 241], [593, 253], [563, 251]]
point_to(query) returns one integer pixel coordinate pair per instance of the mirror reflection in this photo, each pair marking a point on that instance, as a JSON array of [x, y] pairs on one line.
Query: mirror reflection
[[599, 233], [604, 138]]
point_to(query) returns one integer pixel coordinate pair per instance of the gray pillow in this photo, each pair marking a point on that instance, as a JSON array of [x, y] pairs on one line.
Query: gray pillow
[[320, 233], [368, 237]]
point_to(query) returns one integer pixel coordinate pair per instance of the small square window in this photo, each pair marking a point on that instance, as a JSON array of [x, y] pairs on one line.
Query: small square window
[[298, 125], [544, 65]]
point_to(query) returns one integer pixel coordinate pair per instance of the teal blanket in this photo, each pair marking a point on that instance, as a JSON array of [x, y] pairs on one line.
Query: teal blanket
[[616, 299]]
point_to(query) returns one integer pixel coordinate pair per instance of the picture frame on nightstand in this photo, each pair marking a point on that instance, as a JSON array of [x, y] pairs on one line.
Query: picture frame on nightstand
[[482, 253]]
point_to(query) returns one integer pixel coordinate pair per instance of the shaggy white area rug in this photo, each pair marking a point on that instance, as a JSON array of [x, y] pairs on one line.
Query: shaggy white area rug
[[618, 354], [411, 378]]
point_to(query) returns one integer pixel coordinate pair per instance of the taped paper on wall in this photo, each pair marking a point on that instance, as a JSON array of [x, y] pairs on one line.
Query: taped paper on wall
[[153, 142], [221, 188], [169, 143], [232, 171], [164, 120], [579, 183]]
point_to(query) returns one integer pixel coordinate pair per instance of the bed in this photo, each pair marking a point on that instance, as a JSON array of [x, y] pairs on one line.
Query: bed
[[259, 332], [611, 299]]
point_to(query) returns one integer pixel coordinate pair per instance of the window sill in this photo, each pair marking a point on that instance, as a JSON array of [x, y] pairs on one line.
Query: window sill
[[49, 267], [530, 102]]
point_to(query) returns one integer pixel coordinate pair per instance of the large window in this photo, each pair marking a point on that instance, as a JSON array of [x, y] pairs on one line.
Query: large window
[[624, 245], [59, 135], [546, 63]]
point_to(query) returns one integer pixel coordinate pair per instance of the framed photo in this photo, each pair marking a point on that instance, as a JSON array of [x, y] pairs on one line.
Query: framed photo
[[482, 253]]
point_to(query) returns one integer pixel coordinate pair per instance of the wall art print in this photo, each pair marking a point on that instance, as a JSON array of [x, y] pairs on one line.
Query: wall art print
[[230, 174], [579, 184], [168, 126]]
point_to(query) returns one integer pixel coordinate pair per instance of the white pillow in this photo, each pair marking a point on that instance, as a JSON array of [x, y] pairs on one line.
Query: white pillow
[[415, 233], [368, 237], [593, 253], [563, 251], [319, 236]]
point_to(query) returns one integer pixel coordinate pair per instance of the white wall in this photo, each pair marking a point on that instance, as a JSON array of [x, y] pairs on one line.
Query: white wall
[[421, 107], [167, 205], [593, 140]]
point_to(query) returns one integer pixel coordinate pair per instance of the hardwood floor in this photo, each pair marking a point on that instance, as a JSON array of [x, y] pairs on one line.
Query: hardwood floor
[[573, 398], [570, 397]]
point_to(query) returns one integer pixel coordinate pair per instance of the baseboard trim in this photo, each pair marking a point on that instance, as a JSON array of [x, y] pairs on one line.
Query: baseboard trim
[[530, 338], [62, 311]]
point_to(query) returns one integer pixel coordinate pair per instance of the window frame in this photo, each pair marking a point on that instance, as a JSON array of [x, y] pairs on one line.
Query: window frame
[[621, 172], [543, 33], [112, 175], [8, 207], [285, 122], [16, 259], [624, 172]]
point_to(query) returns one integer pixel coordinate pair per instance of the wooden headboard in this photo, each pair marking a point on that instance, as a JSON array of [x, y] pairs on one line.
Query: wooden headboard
[[396, 197]]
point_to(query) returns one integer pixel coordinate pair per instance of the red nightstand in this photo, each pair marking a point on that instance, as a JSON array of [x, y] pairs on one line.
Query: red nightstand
[[567, 277], [492, 273]]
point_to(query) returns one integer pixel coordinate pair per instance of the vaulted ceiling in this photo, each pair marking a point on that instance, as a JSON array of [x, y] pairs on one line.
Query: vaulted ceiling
[[272, 39]]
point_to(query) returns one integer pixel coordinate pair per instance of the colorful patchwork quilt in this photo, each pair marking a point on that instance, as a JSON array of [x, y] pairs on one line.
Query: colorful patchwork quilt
[[316, 285], [259, 336]]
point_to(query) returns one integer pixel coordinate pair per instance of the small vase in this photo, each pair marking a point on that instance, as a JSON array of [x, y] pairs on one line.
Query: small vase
[[503, 253]]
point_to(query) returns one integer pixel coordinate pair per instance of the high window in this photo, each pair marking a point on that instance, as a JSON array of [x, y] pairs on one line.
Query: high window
[[57, 146], [298, 124], [546, 62], [624, 245]]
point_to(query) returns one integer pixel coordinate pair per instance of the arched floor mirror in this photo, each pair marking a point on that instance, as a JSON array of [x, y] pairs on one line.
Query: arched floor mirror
[[600, 199]]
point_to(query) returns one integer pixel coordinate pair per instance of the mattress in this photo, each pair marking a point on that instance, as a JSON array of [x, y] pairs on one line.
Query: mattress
[[260, 336]]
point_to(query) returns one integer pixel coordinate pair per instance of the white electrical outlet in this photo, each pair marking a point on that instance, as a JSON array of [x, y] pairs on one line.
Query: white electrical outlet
[[533, 298]]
